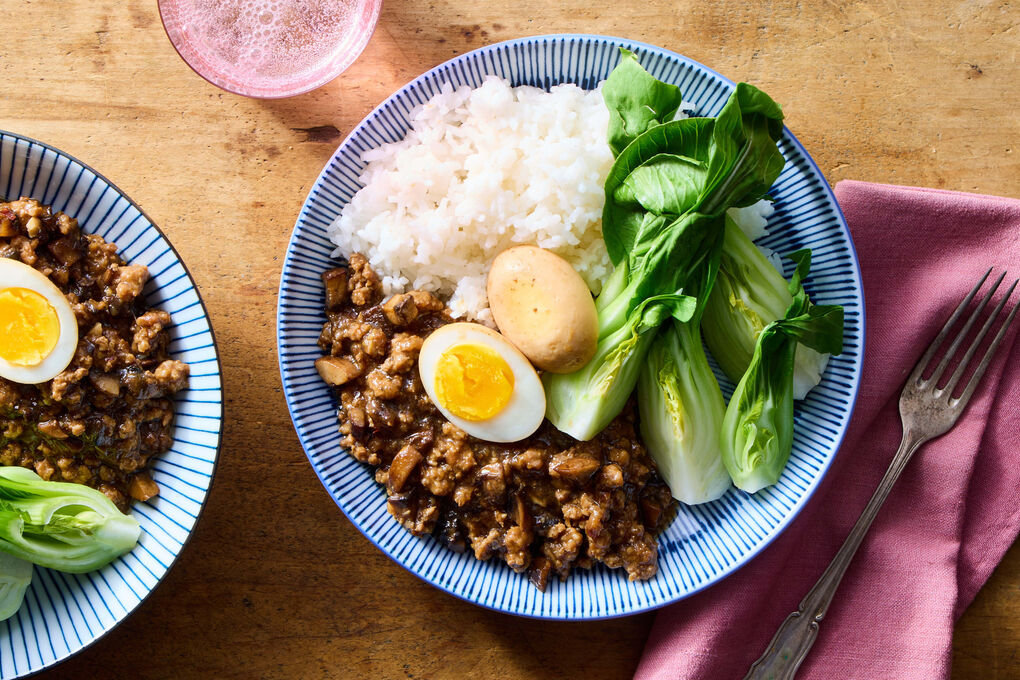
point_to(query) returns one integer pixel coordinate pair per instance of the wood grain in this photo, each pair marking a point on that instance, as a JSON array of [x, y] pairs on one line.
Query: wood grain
[[276, 584]]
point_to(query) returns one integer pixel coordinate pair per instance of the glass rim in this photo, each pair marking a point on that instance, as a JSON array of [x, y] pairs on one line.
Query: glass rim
[[173, 34]]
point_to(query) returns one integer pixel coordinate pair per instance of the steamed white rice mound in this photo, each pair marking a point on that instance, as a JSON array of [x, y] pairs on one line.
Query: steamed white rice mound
[[480, 171]]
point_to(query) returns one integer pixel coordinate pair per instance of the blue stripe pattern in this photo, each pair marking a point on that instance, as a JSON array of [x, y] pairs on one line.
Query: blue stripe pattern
[[63, 613], [704, 543]]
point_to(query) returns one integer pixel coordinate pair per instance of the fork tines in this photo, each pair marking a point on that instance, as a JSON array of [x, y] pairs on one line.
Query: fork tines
[[936, 375]]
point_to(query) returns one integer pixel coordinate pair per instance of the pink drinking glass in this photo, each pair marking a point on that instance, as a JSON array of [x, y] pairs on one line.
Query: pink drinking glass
[[269, 49]]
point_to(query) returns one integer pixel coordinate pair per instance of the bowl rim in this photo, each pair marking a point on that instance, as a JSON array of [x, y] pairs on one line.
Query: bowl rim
[[435, 72], [219, 370]]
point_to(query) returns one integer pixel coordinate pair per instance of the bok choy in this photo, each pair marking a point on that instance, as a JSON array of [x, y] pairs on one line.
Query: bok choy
[[757, 432], [681, 409], [663, 227], [15, 577], [750, 293], [68, 527]]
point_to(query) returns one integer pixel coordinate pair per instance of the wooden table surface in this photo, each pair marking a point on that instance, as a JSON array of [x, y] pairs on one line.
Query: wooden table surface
[[276, 583]]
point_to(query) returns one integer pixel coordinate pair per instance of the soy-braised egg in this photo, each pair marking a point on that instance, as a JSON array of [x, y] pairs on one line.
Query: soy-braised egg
[[481, 383], [38, 331]]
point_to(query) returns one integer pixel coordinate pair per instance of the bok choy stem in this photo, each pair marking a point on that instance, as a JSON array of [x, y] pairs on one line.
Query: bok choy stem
[[15, 577], [584, 402], [757, 432], [750, 293], [681, 408]]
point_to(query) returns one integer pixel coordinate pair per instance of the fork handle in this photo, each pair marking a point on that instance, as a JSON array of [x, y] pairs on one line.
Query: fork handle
[[793, 640]]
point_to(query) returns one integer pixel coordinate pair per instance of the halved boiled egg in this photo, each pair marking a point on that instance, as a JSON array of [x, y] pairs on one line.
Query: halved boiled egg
[[38, 331], [481, 383]]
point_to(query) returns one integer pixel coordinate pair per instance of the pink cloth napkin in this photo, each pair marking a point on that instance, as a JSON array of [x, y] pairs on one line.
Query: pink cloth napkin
[[953, 513]]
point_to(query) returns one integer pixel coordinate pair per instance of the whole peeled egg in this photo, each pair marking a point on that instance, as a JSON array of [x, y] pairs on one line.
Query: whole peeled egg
[[542, 305], [38, 330], [481, 383]]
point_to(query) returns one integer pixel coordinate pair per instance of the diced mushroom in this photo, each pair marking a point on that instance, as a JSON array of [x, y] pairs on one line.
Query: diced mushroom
[[538, 574], [400, 309], [50, 428], [336, 371], [422, 439], [63, 249], [521, 514], [106, 383], [452, 534], [577, 469], [335, 283], [404, 463], [651, 512], [142, 488]]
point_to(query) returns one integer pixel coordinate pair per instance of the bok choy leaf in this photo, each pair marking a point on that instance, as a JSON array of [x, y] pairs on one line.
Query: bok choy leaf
[[757, 432], [636, 101], [68, 527]]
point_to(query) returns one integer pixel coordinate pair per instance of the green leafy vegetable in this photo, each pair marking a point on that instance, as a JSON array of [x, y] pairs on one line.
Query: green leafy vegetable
[[757, 433], [674, 149], [636, 101], [663, 227], [15, 576], [63, 526], [749, 293], [692, 165], [584, 402], [745, 160], [681, 410]]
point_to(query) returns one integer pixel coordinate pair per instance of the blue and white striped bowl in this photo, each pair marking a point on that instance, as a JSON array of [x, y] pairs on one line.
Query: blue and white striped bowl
[[704, 543], [63, 613]]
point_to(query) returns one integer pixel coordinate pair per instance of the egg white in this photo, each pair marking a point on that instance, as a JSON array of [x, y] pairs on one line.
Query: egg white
[[14, 274], [525, 411]]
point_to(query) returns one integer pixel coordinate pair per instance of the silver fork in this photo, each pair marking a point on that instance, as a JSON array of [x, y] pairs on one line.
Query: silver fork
[[926, 411]]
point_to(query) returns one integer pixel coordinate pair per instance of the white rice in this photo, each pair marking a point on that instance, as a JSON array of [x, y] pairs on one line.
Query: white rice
[[482, 170]]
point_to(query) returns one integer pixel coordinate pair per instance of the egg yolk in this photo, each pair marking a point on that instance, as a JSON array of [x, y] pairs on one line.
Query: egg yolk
[[29, 327], [473, 382]]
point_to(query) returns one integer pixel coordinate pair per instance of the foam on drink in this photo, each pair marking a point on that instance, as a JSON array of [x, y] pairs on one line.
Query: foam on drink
[[263, 47]]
